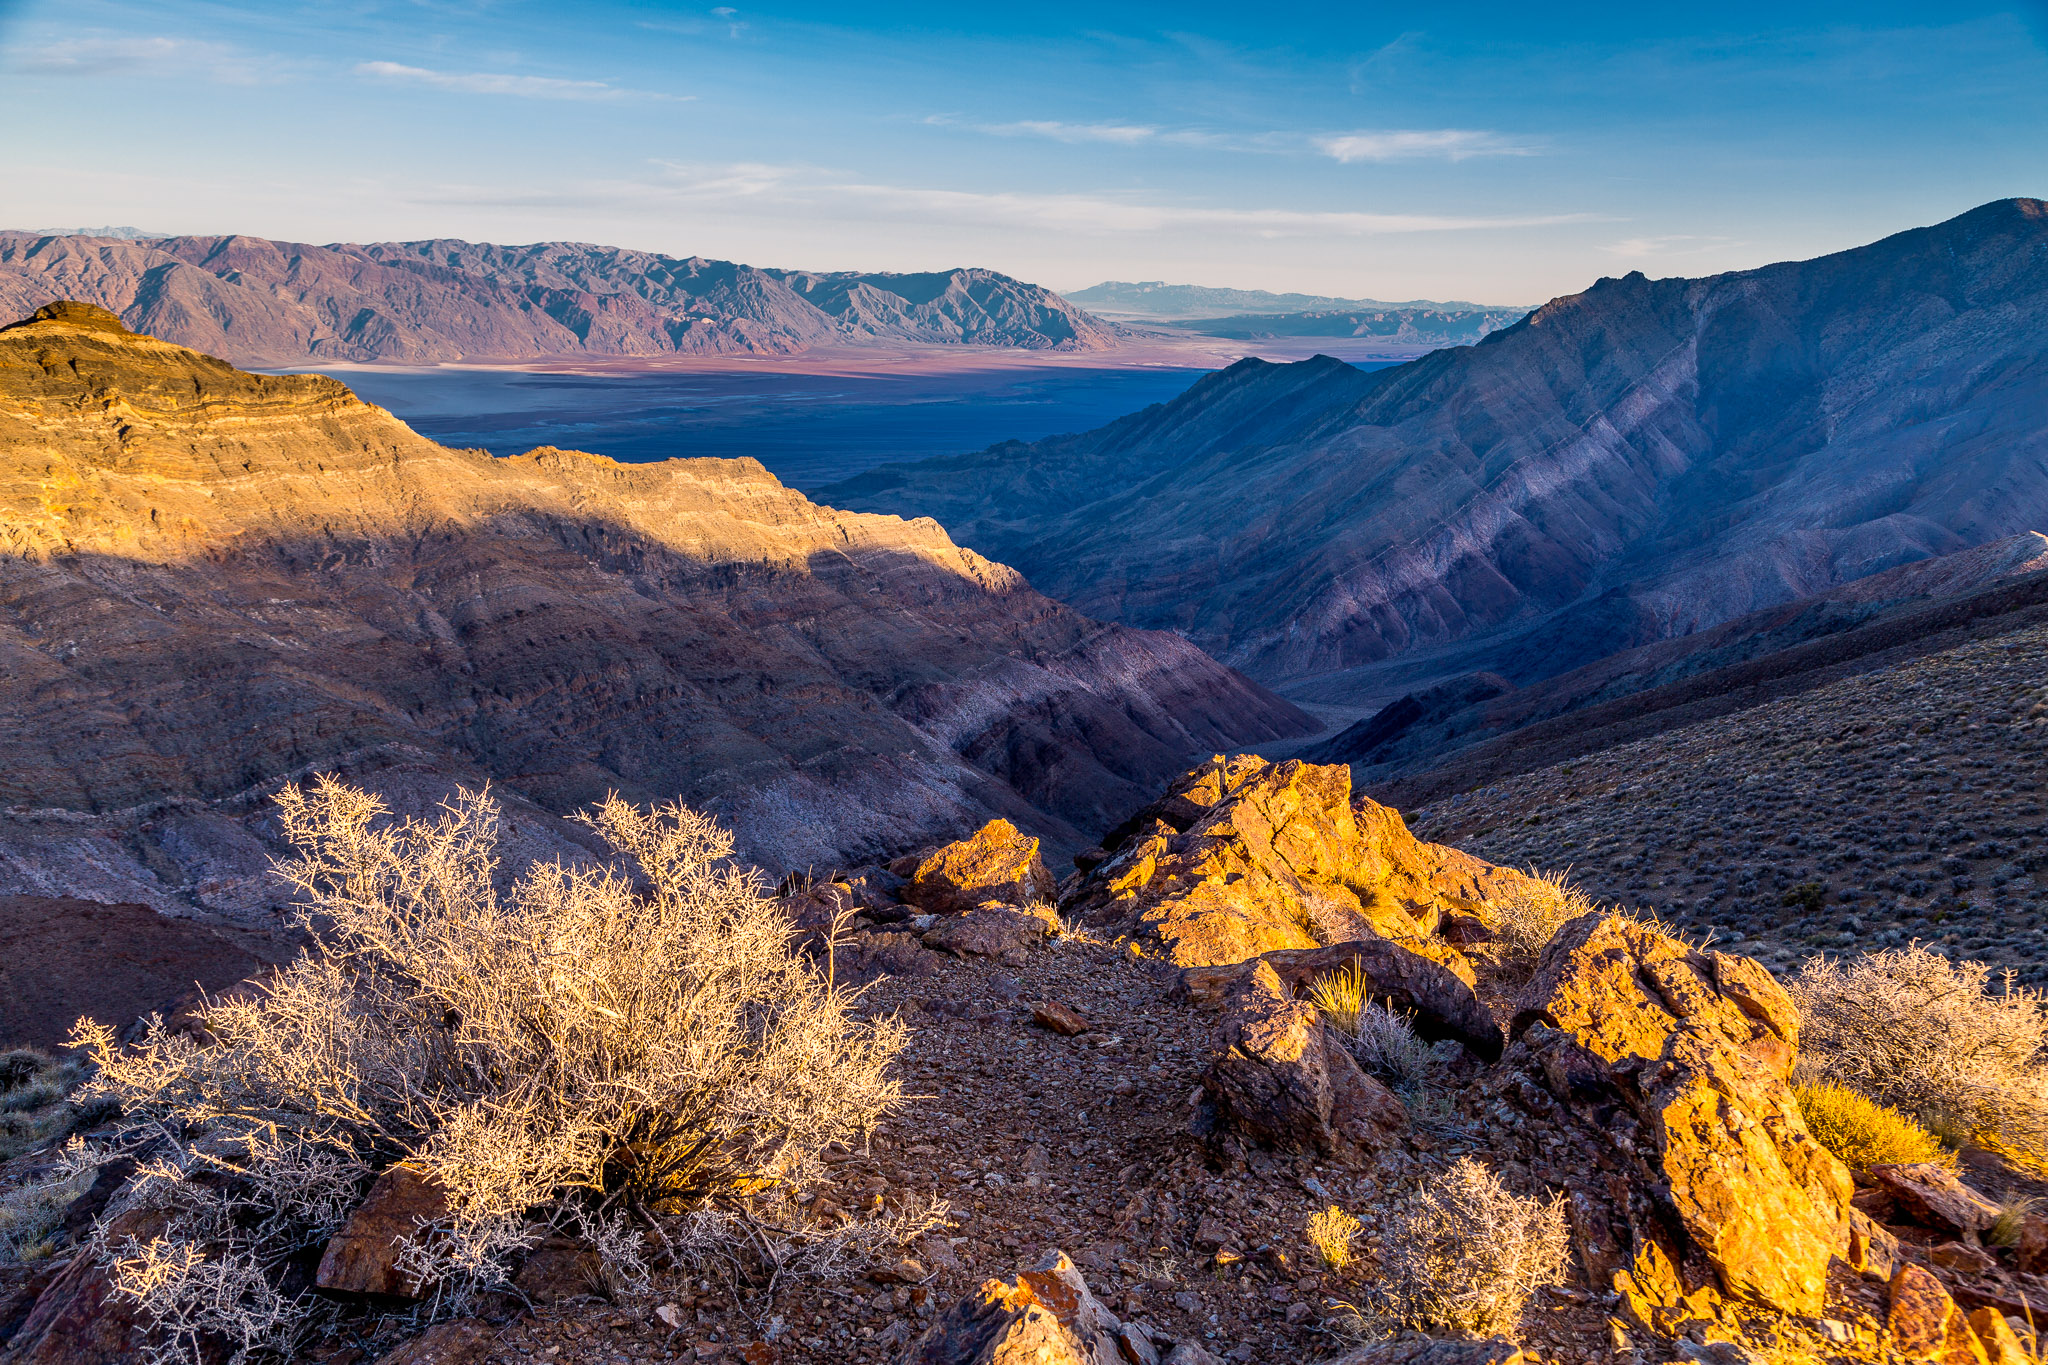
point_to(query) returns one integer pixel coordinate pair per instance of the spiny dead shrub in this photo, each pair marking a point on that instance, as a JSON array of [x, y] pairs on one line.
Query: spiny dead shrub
[[595, 1045], [1465, 1254], [1525, 919], [1934, 1038]]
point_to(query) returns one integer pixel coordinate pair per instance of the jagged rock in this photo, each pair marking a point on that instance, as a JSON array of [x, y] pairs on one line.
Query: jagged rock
[[1873, 1250], [1281, 1079], [1425, 1351], [362, 1258], [988, 931], [2001, 1344], [2031, 1252], [995, 863], [447, 1343], [888, 953], [1190, 1353], [1925, 1326], [1441, 1003], [1696, 1047], [1242, 857], [1047, 1316], [1930, 1195]]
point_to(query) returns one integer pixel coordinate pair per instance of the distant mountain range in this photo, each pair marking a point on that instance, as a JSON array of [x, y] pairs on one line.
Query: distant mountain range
[[260, 302], [1156, 301], [1643, 460]]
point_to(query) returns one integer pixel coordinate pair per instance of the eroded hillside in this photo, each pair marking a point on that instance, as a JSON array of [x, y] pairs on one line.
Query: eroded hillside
[[211, 581]]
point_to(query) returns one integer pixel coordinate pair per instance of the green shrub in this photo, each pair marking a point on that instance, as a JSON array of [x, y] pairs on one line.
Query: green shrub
[[1862, 1132]]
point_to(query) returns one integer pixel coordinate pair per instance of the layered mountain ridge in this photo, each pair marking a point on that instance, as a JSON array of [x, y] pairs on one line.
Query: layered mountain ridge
[[261, 302], [212, 581], [1640, 461]]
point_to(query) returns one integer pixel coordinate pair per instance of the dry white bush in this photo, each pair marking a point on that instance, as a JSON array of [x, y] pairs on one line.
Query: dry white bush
[[1386, 1045], [631, 1041], [1527, 918], [1465, 1253], [1932, 1037]]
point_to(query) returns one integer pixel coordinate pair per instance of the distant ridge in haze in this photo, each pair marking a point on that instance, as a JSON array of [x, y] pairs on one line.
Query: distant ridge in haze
[[259, 302], [1157, 301]]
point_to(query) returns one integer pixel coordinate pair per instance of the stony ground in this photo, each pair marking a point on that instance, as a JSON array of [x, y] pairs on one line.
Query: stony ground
[[1903, 805], [1080, 1143]]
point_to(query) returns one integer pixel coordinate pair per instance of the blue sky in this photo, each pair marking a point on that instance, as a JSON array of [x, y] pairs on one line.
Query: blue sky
[[1499, 152]]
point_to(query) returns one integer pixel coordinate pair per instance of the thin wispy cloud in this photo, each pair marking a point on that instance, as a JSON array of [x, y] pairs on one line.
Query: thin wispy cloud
[[1418, 144], [134, 56], [750, 186], [502, 83], [1125, 134], [1675, 244]]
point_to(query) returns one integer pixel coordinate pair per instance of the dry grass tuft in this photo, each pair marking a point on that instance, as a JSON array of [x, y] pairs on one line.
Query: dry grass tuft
[[1525, 921], [1341, 996], [587, 1048], [1862, 1132], [1331, 1233], [1465, 1254], [1933, 1038]]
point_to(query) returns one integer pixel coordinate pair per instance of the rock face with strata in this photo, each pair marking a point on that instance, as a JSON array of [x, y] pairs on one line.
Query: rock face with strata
[[212, 581], [1635, 462], [1242, 857], [1691, 1052], [1283, 1081]]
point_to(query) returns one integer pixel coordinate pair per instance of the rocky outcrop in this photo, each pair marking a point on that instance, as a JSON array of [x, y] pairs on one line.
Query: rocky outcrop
[[257, 301], [1046, 1316], [1690, 1051], [1281, 1079], [997, 863], [1635, 462], [212, 581], [1242, 857]]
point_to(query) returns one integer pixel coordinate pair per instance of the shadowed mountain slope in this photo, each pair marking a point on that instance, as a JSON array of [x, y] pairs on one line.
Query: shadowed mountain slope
[[211, 581], [257, 301], [1645, 459]]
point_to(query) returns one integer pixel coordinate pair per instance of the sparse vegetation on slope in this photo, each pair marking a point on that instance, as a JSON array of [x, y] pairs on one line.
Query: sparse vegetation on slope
[[1935, 1038], [589, 1045], [1913, 797]]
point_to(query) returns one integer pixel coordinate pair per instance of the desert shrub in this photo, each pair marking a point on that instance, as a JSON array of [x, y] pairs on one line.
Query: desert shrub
[[1862, 1132], [20, 1065], [1331, 1233], [590, 1044], [1386, 1045], [35, 1107], [2011, 1223], [1525, 919], [1340, 995], [1932, 1037], [1465, 1254]]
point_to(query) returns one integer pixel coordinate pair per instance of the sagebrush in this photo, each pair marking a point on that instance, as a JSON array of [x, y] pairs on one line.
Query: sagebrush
[[1465, 1254], [1947, 1042], [588, 1045]]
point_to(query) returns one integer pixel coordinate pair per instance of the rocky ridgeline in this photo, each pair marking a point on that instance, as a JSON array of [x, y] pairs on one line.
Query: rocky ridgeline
[[1121, 1085]]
